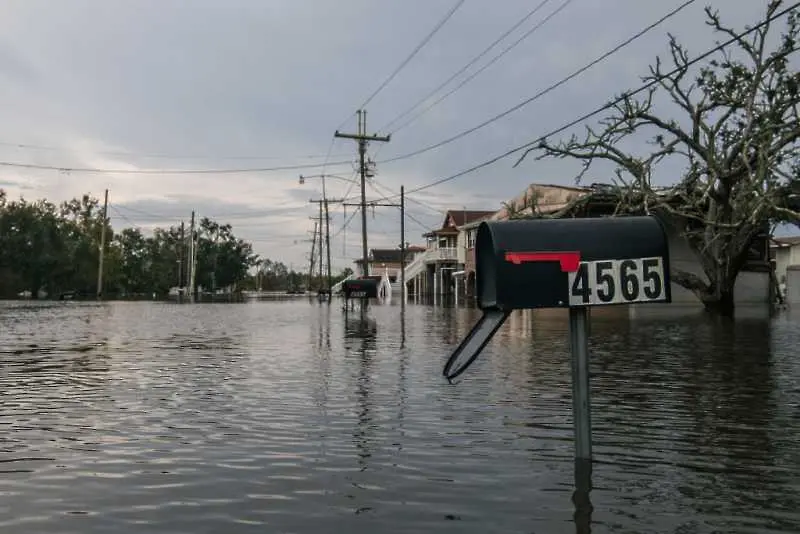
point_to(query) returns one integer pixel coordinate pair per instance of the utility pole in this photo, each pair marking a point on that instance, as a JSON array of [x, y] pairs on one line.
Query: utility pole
[[311, 260], [192, 258], [320, 243], [181, 246], [328, 246], [373, 204], [403, 244], [363, 139], [102, 248], [325, 202]]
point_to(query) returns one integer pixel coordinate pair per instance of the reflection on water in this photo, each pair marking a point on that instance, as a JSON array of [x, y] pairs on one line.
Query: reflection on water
[[297, 417]]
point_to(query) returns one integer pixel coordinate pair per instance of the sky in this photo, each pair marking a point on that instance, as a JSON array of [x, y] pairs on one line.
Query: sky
[[129, 96]]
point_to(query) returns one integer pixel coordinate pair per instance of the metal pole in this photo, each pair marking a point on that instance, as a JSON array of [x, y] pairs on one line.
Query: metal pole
[[581, 405], [403, 243], [102, 248]]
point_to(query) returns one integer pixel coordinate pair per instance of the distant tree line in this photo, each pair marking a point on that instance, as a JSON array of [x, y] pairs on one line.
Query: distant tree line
[[53, 250]]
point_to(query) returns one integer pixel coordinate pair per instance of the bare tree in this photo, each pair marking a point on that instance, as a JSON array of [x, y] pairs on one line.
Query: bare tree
[[737, 138]]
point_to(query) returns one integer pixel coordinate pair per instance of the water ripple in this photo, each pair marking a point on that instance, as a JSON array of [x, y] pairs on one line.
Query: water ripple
[[289, 417]]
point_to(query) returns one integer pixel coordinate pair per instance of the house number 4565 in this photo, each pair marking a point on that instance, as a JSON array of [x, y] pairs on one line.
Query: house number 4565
[[598, 283]]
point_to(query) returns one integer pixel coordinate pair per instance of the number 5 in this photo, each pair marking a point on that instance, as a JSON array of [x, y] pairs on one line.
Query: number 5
[[653, 282], [606, 278]]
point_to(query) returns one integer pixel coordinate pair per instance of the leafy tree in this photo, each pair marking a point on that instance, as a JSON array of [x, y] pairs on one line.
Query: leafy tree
[[736, 138], [55, 249]]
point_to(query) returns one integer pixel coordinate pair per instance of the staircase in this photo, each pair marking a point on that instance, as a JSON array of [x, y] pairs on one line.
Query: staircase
[[397, 287], [417, 267]]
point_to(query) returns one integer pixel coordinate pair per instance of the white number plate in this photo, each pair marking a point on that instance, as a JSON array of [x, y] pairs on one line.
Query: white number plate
[[600, 283], [358, 294]]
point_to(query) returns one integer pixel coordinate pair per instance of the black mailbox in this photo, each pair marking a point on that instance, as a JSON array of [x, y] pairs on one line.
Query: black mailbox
[[562, 263], [360, 288], [558, 263]]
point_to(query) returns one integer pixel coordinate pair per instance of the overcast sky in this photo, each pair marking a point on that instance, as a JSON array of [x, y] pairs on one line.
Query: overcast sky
[[163, 85]]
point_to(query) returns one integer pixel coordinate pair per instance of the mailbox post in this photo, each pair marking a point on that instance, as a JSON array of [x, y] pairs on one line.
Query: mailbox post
[[564, 263]]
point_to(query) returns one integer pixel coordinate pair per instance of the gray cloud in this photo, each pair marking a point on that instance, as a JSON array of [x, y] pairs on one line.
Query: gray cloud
[[208, 79]]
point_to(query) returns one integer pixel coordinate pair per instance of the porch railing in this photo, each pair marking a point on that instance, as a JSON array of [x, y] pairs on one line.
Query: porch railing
[[443, 253]]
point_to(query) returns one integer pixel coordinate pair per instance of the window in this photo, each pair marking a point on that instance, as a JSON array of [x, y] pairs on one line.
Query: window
[[471, 238]]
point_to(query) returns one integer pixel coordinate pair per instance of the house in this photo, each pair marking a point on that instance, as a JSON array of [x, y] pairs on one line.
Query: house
[[388, 261], [449, 262], [785, 252], [435, 272]]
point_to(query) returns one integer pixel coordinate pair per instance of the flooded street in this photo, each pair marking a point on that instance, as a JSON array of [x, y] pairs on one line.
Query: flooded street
[[284, 417]]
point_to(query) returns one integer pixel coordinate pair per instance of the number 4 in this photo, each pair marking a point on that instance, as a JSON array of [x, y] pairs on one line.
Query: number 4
[[580, 286]]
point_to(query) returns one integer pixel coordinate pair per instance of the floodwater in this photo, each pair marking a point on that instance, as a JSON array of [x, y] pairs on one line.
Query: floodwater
[[285, 417]]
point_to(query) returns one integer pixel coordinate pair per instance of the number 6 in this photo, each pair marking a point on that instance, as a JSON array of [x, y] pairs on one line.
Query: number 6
[[629, 279]]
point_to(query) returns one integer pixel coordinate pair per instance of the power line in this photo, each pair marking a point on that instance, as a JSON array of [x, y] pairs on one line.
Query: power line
[[352, 183], [68, 169], [27, 146], [544, 91], [604, 107], [475, 59], [346, 223], [413, 53], [375, 186], [421, 225], [255, 214], [124, 217]]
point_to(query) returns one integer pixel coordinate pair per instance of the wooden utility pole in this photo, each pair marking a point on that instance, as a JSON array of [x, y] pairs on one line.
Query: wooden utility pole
[[311, 260], [192, 257], [326, 217], [181, 263], [403, 244], [363, 139], [328, 246], [102, 248], [373, 203], [320, 243]]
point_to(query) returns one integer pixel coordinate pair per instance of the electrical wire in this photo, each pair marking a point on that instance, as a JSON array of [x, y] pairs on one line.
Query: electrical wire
[[256, 214], [346, 223], [124, 217], [376, 187], [68, 169], [423, 226], [602, 108], [407, 213], [543, 92], [26, 146], [479, 71], [414, 52]]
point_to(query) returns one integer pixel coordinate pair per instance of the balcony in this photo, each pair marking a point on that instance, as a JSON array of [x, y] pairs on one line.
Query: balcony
[[441, 254]]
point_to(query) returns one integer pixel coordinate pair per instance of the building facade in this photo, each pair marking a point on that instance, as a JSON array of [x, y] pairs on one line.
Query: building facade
[[440, 271], [448, 265], [785, 254], [388, 261]]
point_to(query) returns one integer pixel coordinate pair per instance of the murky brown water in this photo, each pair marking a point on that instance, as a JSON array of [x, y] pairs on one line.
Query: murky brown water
[[282, 417]]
